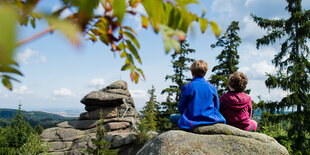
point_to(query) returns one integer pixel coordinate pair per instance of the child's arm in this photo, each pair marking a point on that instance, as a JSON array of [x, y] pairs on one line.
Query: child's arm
[[183, 100], [250, 108]]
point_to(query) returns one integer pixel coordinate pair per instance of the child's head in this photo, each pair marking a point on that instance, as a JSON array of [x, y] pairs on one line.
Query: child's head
[[237, 81], [199, 68]]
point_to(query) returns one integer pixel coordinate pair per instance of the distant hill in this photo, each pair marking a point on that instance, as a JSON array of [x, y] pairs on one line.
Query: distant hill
[[46, 120]]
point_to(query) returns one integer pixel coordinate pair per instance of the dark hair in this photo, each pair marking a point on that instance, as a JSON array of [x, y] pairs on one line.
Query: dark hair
[[199, 68], [238, 81]]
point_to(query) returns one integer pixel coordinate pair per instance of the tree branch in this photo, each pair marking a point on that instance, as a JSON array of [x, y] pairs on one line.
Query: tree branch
[[36, 36]]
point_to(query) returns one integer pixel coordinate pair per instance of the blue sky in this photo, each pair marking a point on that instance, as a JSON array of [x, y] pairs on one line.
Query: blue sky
[[58, 74]]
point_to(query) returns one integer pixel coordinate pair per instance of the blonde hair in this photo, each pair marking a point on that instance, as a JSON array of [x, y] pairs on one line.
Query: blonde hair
[[199, 68], [238, 81]]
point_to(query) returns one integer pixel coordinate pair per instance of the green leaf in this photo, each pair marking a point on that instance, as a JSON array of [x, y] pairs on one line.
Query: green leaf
[[119, 8], [203, 24], [215, 28], [186, 2], [121, 46], [155, 10], [141, 72], [134, 3], [124, 54], [134, 51], [6, 82], [8, 20], [10, 78], [104, 39], [171, 43], [129, 29], [132, 38], [93, 38], [126, 67], [9, 69], [145, 22], [33, 22], [72, 31]]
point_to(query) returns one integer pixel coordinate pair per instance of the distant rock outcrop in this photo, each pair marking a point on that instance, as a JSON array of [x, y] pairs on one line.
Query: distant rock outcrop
[[215, 139], [113, 103]]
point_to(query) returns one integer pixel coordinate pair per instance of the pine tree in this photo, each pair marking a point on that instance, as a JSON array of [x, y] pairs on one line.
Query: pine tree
[[228, 59], [150, 111], [180, 67], [293, 75]]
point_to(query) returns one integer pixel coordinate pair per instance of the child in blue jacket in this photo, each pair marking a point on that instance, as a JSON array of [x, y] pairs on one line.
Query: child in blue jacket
[[199, 103]]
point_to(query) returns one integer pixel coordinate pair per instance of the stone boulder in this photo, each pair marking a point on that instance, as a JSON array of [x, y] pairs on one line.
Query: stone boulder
[[65, 139], [215, 139], [101, 98]]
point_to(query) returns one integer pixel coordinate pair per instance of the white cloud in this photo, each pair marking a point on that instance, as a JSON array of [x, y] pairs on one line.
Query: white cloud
[[138, 93], [247, 2], [23, 57], [249, 31], [222, 6], [244, 69], [258, 88], [29, 55], [63, 92], [42, 59], [22, 90], [262, 68], [97, 83]]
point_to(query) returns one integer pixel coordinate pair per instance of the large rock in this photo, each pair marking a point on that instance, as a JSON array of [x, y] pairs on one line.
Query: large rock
[[96, 98], [67, 140], [109, 112], [118, 91], [88, 124], [120, 84], [216, 139]]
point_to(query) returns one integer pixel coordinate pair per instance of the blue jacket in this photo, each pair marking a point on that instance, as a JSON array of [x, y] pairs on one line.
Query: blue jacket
[[199, 104]]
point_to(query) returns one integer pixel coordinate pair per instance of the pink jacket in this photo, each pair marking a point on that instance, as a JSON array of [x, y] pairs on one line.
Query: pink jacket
[[236, 107]]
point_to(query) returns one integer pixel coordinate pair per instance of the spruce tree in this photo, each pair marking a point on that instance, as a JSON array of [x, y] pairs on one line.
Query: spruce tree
[[293, 74], [228, 59], [180, 64], [150, 111]]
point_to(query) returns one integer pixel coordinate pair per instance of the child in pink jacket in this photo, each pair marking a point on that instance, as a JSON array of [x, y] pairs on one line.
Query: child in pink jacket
[[235, 105]]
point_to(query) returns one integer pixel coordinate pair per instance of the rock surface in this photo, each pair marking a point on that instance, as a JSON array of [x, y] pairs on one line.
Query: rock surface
[[215, 139], [115, 105]]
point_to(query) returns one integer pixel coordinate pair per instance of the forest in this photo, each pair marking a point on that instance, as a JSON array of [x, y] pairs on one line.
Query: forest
[[286, 120]]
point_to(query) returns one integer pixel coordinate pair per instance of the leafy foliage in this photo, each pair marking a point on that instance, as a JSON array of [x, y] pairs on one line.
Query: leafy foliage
[[228, 59], [293, 73], [171, 18]]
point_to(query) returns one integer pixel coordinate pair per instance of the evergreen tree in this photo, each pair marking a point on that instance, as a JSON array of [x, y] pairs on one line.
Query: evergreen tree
[[20, 138], [180, 67], [293, 75], [150, 111], [228, 59]]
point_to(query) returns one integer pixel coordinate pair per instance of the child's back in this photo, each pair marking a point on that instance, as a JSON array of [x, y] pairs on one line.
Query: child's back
[[236, 107]]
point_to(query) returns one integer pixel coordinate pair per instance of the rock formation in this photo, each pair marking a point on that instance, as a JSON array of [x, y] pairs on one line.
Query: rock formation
[[115, 105], [215, 139]]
